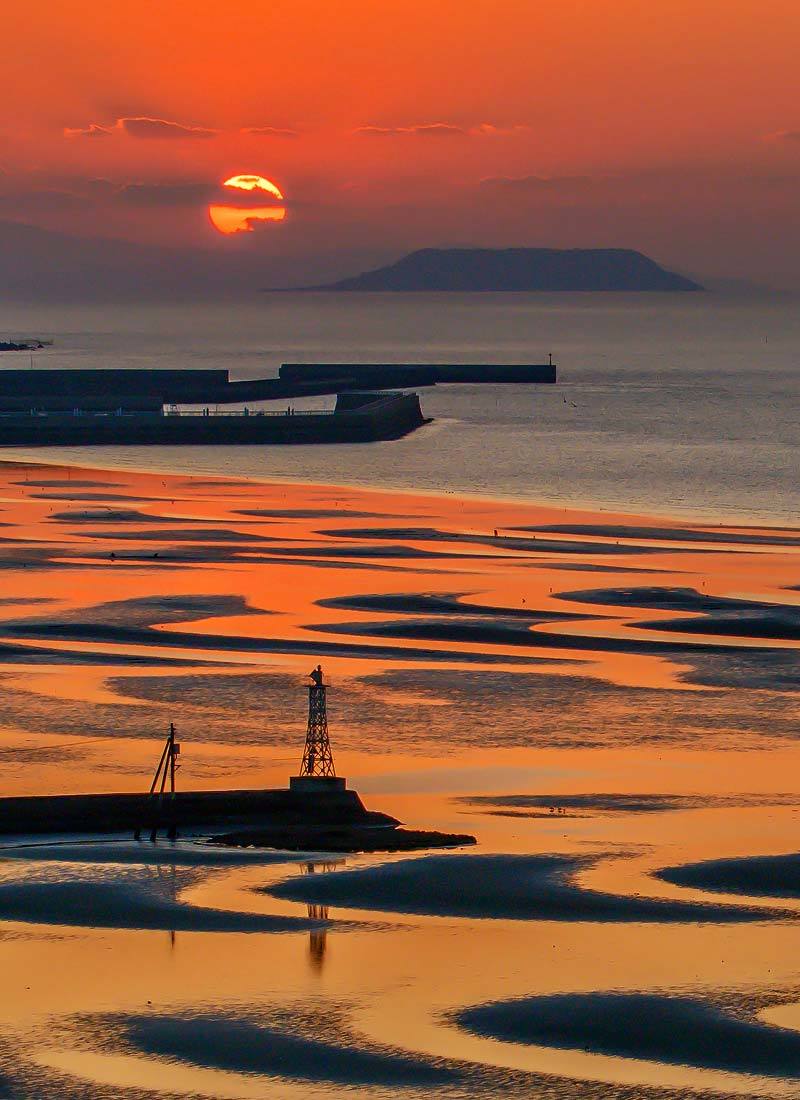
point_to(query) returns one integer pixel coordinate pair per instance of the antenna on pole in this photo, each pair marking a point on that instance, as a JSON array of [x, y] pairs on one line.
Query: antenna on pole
[[165, 772]]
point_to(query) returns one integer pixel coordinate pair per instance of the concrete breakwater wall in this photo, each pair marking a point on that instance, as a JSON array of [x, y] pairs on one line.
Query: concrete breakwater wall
[[386, 416], [419, 374], [106, 389], [143, 390], [110, 813]]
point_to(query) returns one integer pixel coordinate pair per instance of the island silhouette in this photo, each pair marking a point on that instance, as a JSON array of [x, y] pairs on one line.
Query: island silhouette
[[518, 269]]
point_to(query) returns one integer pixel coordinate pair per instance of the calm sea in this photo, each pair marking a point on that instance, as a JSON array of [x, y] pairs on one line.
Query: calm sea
[[682, 405]]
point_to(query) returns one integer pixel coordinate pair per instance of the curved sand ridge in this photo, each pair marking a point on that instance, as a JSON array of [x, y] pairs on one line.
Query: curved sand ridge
[[136, 621], [313, 1047], [679, 1030], [130, 886], [671, 534], [240, 1045], [715, 615], [504, 542], [748, 876], [522, 805], [499, 887]]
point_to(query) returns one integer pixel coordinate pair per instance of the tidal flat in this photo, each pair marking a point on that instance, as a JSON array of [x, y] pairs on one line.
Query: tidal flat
[[607, 701]]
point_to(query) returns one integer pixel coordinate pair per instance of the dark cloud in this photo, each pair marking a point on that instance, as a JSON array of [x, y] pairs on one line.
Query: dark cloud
[[168, 194], [490, 129], [532, 184], [160, 129], [98, 185], [142, 127], [439, 129], [428, 129], [28, 192], [784, 136], [47, 198], [93, 130], [786, 180], [22, 184], [269, 131], [34, 191]]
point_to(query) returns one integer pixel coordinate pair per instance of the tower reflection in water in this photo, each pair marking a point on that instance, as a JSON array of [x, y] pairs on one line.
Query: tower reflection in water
[[318, 937]]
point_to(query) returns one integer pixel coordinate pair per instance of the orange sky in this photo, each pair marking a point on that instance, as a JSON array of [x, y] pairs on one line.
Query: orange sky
[[671, 125]]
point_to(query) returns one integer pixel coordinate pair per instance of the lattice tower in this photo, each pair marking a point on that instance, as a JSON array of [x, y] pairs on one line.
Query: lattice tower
[[317, 755]]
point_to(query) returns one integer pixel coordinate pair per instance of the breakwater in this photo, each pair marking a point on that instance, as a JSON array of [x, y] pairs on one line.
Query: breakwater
[[111, 813], [375, 417], [140, 390], [418, 374], [108, 407], [149, 390]]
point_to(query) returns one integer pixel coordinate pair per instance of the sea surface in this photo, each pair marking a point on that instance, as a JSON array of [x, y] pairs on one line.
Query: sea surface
[[683, 405]]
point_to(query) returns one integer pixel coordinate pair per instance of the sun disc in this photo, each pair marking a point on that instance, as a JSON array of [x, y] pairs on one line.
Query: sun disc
[[238, 219], [254, 183]]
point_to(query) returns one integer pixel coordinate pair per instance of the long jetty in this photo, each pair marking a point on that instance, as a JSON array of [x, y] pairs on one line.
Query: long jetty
[[113, 813], [146, 390], [362, 418], [418, 374], [104, 407]]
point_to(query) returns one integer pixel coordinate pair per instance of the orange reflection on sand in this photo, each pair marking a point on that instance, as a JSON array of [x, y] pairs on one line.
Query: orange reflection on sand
[[239, 219], [426, 746], [274, 585]]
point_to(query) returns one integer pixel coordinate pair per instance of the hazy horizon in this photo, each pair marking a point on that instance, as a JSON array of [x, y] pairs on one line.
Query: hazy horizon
[[671, 129], [42, 265], [554, 628]]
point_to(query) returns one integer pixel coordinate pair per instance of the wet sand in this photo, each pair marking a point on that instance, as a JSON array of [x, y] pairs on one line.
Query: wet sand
[[749, 876], [679, 1029], [608, 702], [496, 888], [130, 903]]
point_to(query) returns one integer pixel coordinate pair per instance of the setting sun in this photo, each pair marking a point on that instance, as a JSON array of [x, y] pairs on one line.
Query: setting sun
[[481, 425], [238, 219], [229, 218], [254, 183]]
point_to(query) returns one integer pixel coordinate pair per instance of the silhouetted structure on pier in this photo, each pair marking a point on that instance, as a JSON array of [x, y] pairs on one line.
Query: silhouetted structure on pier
[[317, 770], [41, 408], [360, 375], [167, 766]]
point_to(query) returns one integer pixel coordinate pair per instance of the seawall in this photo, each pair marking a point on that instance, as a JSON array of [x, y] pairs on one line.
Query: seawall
[[110, 813], [144, 389], [419, 374], [387, 416]]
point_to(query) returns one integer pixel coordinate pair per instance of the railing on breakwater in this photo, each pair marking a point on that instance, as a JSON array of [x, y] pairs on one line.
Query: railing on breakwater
[[370, 418]]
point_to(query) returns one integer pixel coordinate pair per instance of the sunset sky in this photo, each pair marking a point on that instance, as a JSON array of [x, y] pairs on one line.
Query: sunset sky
[[672, 126]]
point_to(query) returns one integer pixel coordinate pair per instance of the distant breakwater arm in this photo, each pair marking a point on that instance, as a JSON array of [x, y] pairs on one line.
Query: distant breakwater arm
[[416, 374], [148, 390], [358, 418]]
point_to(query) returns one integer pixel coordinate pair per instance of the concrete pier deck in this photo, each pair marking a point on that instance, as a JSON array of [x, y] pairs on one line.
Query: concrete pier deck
[[111, 813], [418, 374], [371, 418]]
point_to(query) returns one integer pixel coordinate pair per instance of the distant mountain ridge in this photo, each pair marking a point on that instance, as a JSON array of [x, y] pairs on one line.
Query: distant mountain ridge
[[518, 269]]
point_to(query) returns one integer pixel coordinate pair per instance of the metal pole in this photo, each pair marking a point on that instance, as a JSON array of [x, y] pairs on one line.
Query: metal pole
[[161, 764], [171, 743]]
